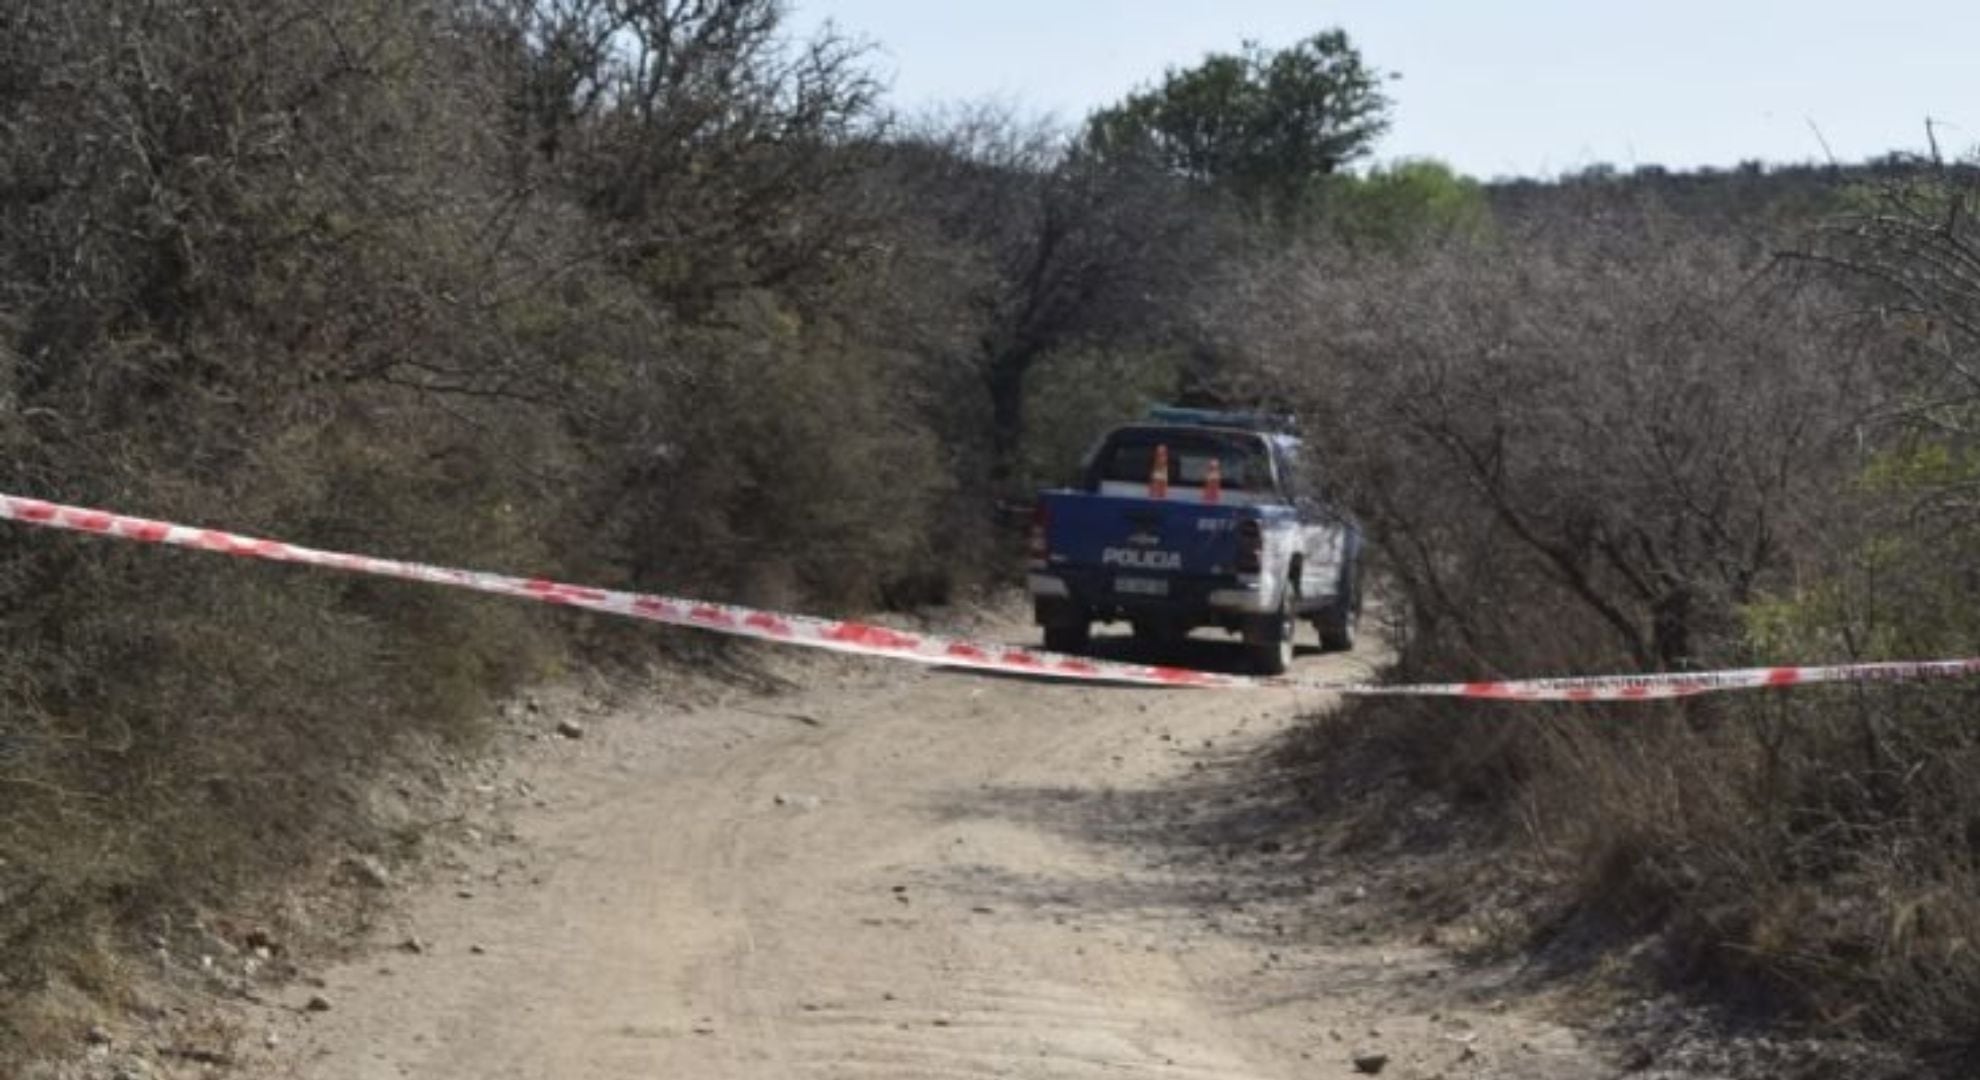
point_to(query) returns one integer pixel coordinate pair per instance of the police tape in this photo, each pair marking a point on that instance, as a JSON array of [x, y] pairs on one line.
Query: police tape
[[1665, 686], [868, 639], [863, 639]]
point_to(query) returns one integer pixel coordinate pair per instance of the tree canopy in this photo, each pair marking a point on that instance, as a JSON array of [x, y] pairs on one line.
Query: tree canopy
[[1262, 123]]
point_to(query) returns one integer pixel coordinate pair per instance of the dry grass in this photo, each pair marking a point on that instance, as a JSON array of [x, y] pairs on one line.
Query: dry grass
[[1808, 856]]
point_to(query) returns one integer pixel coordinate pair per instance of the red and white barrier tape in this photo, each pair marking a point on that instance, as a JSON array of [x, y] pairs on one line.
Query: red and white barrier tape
[[850, 637], [866, 639], [1665, 686]]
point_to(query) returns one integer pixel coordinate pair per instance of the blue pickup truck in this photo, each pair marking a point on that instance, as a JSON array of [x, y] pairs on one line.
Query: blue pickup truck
[[1196, 518]]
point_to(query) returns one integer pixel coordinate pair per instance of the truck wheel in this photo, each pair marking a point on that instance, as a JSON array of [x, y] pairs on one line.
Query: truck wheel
[[1068, 637], [1271, 638], [1337, 624], [1336, 629]]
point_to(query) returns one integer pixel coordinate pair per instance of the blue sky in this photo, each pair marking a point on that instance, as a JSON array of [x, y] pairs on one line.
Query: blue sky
[[1530, 88]]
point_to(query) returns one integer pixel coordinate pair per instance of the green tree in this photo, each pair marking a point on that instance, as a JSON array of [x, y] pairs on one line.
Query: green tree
[[1404, 203], [1263, 124]]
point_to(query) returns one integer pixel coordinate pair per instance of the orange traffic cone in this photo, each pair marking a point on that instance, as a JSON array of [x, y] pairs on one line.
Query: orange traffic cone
[[1158, 474], [1213, 481]]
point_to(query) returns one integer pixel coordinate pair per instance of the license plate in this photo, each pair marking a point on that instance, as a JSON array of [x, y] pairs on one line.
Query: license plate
[[1141, 586]]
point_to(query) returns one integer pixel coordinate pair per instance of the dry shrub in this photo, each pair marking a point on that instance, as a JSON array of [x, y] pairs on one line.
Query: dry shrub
[[262, 266], [1617, 443], [1602, 416], [438, 281], [1804, 856], [785, 466]]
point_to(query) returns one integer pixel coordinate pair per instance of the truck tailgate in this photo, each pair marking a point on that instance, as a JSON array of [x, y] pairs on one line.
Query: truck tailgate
[[1142, 535]]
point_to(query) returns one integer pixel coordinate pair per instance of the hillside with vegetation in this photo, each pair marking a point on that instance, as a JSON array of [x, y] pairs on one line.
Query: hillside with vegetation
[[650, 293]]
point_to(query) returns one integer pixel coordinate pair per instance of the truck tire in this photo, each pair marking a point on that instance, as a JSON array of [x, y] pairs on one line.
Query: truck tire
[[1270, 639], [1338, 622], [1071, 638]]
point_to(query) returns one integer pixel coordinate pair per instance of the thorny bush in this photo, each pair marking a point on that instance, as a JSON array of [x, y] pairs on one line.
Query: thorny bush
[[1614, 441]]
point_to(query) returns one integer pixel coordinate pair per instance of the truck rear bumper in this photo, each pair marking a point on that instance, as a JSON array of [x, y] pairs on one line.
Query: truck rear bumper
[[1186, 599]]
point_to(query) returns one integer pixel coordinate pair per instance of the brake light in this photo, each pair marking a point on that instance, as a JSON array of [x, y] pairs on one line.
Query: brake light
[[1213, 482], [1251, 546], [1158, 473], [1041, 519]]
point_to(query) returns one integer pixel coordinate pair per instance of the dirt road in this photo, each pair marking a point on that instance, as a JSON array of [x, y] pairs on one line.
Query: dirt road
[[898, 873]]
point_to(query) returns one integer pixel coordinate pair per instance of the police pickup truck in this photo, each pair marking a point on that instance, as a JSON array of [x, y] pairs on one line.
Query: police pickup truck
[[1196, 518]]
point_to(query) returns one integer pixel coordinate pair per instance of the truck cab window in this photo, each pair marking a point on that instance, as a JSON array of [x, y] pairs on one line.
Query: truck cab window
[[1129, 458]]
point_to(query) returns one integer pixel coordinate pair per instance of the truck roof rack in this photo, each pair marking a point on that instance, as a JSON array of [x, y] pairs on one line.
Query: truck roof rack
[[1280, 423]]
